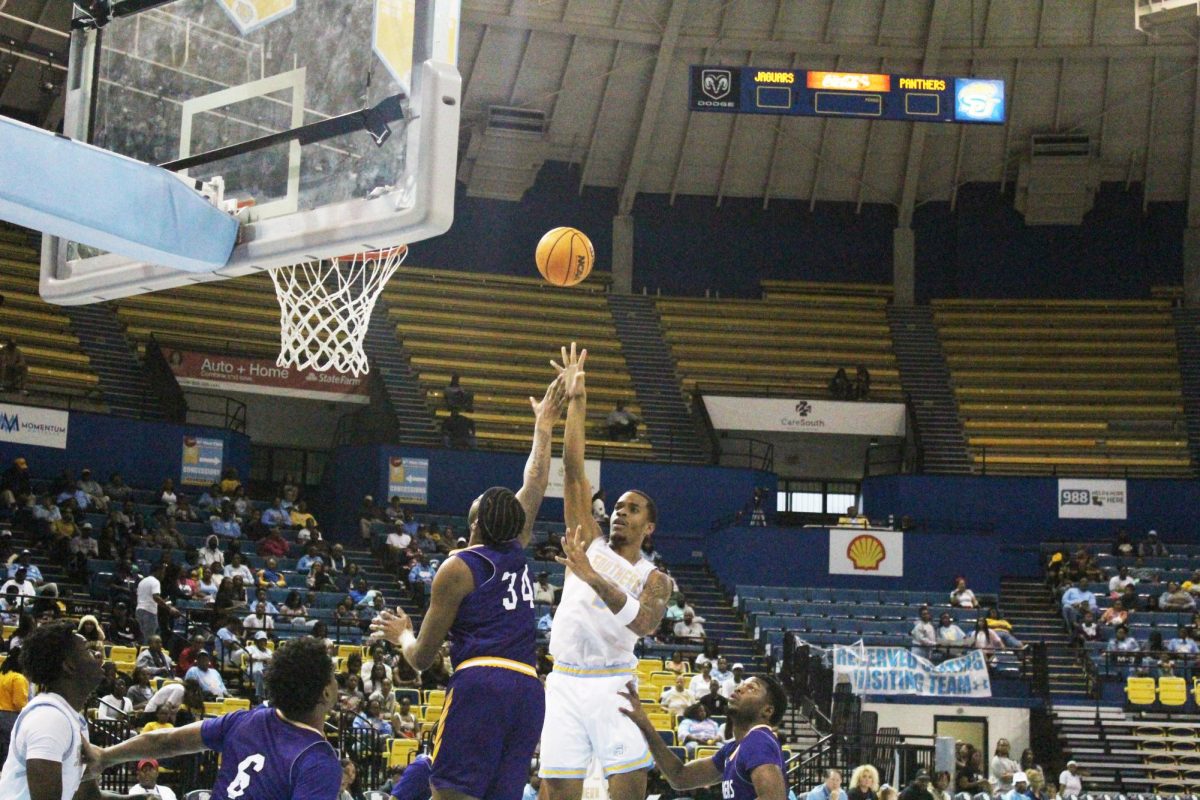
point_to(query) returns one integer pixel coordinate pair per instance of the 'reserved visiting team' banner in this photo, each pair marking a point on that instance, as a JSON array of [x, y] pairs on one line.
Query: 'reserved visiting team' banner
[[263, 376], [896, 670]]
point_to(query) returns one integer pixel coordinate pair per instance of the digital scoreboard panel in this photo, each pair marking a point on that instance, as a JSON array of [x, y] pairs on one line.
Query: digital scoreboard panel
[[862, 95]]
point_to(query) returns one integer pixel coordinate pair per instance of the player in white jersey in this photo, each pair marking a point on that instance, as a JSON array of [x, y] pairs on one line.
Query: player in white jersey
[[611, 597]]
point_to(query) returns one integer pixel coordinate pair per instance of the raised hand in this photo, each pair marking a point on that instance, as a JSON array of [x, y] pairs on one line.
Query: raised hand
[[575, 556], [551, 406], [391, 626], [571, 370], [635, 711]]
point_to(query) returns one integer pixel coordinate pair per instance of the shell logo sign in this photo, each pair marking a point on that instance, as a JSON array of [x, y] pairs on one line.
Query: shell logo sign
[[866, 552]]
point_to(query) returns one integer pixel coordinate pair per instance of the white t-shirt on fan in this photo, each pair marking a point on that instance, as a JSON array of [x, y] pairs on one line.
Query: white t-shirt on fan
[[146, 589]]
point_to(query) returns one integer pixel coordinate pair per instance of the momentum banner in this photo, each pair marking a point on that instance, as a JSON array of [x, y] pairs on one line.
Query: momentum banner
[[895, 670], [408, 479], [805, 416], [1092, 499], [39, 427], [263, 376], [854, 551]]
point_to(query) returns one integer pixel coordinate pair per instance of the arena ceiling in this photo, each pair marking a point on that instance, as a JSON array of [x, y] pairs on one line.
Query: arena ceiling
[[611, 77]]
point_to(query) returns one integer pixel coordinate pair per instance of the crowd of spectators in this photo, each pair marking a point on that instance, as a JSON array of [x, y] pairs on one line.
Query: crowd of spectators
[[943, 639], [841, 387]]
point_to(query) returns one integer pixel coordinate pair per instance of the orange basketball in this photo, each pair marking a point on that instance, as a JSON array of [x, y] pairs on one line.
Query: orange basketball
[[565, 256]]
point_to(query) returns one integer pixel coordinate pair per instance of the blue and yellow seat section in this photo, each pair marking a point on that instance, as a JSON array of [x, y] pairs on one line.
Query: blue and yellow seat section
[[56, 362], [1083, 387], [789, 343], [498, 333]]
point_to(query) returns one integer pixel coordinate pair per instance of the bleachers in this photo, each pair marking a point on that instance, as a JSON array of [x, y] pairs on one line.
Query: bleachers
[[239, 316], [1081, 387], [498, 333], [56, 362], [1120, 751], [790, 343]]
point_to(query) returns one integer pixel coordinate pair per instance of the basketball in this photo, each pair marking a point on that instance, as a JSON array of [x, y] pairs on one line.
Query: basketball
[[565, 256]]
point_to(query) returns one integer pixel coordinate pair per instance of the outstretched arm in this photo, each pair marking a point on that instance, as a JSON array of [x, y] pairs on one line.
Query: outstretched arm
[[451, 584], [651, 603], [537, 468], [160, 744], [577, 492], [693, 775]]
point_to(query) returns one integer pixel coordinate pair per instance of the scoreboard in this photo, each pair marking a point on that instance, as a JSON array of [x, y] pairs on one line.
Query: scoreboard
[[861, 95]]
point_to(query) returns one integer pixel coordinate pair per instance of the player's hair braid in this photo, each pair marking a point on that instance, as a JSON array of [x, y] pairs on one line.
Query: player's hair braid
[[501, 516]]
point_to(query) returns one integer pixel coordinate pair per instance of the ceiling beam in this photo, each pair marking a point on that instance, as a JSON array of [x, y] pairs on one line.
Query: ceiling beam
[[916, 141], [654, 96], [765, 47]]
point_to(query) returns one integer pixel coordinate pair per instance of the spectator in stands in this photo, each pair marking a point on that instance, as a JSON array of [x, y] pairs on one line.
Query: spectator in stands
[[209, 584], [306, 562], [697, 729], [720, 672], [209, 678], [1129, 598], [1152, 547], [852, 519], [184, 511], [458, 431], [676, 698], [404, 721], [236, 569], [227, 525], [89, 628], [969, 777], [1075, 601], [698, 685], [1020, 788], [258, 656], [318, 579], [209, 501], [115, 704], [270, 576], [962, 597], [1176, 598], [150, 601], [864, 783], [543, 592], [713, 701], [1003, 768], [260, 599], [1184, 643], [677, 663], [293, 611], [155, 660], [1118, 582], [862, 383], [95, 493], [164, 718], [830, 789], [1125, 646], [918, 789], [420, 579], [13, 369], [457, 398], [14, 695], [259, 620], [277, 516], [622, 424], [228, 641], [254, 529], [1123, 546], [230, 482], [147, 782], [273, 545], [1115, 615], [166, 494], [210, 554], [1069, 780], [337, 560], [840, 387], [598, 511], [140, 691], [14, 483], [986, 640], [1088, 629], [121, 628], [300, 516], [950, 637], [394, 546], [924, 635], [688, 629]]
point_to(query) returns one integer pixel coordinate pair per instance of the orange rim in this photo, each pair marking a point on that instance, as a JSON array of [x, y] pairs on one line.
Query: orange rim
[[400, 250]]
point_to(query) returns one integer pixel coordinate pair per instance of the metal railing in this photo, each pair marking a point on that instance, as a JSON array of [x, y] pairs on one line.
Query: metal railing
[[737, 451], [217, 411]]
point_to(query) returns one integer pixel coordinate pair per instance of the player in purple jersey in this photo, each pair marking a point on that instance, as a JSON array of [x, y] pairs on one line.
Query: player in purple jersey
[[275, 752], [749, 767], [482, 598]]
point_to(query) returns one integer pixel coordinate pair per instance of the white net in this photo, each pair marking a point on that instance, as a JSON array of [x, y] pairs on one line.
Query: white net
[[325, 308]]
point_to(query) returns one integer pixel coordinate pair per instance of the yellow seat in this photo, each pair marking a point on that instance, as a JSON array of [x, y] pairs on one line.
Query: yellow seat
[[648, 694], [213, 708], [435, 697], [1172, 691], [122, 653], [661, 721], [1140, 691], [401, 751], [237, 704], [431, 713], [706, 752]]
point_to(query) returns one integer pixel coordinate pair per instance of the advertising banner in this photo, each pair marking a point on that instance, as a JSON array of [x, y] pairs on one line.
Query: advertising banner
[[40, 427], [591, 468], [854, 551], [202, 461], [779, 415], [408, 479], [895, 670], [1080, 498], [262, 376]]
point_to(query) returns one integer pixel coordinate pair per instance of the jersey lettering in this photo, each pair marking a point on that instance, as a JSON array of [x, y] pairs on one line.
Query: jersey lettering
[[727, 792], [242, 782], [510, 601]]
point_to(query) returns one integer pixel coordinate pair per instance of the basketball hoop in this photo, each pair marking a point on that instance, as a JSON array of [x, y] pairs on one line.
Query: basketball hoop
[[325, 307]]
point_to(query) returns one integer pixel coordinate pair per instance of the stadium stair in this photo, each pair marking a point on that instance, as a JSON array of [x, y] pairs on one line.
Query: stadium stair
[[123, 382], [387, 354], [1187, 340], [705, 594], [1028, 606], [1117, 750], [669, 423], [925, 377]]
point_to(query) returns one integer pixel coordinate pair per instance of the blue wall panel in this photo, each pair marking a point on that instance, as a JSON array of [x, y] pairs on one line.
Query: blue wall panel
[[144, 452]]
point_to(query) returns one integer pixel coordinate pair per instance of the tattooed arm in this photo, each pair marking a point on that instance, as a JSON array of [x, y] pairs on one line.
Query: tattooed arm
[[537, 468]]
